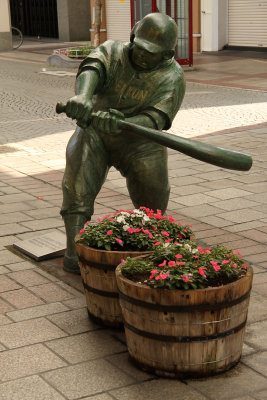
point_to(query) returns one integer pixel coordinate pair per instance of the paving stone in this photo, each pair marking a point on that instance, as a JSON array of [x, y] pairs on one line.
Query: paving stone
[[29, 332], [244, 215], [28, 278], [87, 378], [12, 229], [193, 199], [123, 362], [27, 361], [73, 322], [256, 235], [235, 204], [258, 362], [29, 388], [247, 350], [199, 211], [43, 213], [187, 190], [228, 193], [244, 227], [256, 335], [219, 184], [257, 310], [238, 382], [7, 284], [4, 306], [7, 257], [103, 396], [260, 289], [21, 266], [75, 303], [14, 217], [15, 198], [44, 223], [215, 221], [3, 270], [36, 312], [157, 389], [86, 346], [21, 298], [4, 320], [51, 292], [262, 395]]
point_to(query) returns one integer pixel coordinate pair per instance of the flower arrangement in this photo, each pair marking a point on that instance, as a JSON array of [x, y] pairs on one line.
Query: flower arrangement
[[134, 230], [185, 266]]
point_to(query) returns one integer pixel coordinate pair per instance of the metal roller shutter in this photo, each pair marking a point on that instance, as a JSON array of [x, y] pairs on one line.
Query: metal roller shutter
[[247, 23], [118, 19]]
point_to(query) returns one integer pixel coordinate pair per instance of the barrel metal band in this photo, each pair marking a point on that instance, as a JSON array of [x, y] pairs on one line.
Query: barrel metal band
[[107, 267], [100, 292], [185, 308], [184, 339]]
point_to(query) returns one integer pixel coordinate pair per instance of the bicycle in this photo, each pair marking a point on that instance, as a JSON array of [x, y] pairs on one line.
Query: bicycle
[[17, 37]]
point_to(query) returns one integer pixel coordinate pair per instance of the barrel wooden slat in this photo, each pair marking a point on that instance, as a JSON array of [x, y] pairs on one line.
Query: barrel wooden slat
[[100, 287], [202, 334]]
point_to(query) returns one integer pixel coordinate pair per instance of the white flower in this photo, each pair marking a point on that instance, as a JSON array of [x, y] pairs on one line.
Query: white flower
[[124, 213], [125, 227], [194, 251], [121, 218], [166, 244], [188, 247], [145, 218]]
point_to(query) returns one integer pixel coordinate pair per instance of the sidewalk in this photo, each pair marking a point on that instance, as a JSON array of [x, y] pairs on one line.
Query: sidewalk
[[48, 347]]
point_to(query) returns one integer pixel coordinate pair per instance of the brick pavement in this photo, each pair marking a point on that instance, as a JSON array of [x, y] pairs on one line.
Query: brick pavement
[[48, 347]]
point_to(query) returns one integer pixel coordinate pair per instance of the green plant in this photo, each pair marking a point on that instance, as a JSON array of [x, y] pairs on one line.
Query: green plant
[[140, 229], [185, 266], [79, 52]]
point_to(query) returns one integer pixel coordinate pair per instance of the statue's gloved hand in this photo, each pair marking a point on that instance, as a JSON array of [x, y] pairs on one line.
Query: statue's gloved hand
[[107, 122], [80, 108]]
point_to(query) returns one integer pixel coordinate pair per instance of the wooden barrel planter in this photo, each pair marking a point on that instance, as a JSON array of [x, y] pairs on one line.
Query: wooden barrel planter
[[185, 333], [99, 281]]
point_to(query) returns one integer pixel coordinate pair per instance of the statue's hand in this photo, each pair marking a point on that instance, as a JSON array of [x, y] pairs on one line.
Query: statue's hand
[[107, 122], [80, 108]]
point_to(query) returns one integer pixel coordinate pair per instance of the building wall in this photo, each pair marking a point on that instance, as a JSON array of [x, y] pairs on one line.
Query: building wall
[[74, 20], [118, 19], [5, 34], [196, 25]]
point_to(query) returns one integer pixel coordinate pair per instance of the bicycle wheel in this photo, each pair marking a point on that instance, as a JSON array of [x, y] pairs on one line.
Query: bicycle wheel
[[17, 37]]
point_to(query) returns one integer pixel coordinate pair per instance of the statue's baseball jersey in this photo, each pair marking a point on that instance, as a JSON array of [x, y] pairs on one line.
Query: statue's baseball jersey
[[134, 92]]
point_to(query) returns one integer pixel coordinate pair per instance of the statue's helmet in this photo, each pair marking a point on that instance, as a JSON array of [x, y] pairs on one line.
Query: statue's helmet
[[155, 33]]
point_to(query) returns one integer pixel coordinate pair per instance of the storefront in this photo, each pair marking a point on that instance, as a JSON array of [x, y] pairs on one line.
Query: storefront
[[121, 15], [247, 23]]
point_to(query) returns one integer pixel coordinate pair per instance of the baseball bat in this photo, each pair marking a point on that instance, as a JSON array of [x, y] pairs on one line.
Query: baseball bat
[[219, 156]]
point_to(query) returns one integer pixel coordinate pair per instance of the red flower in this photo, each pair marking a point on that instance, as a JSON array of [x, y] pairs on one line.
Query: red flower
[[130, 230], [178, 256], [243, 266], [157, 243], [185, 278], [216, 267], [109, 233], [163, 264], [225, 261], [165, 233], [119, 241], [81, 231], [171, 264], [153, 273], [180, 263], [201, 271]]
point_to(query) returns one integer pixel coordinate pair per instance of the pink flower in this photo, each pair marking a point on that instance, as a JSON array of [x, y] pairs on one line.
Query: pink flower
[[216, 267], [178, 256], [165, 233], [81, 231], [119, 241], [163, 264], [171, 263], [164, 276], [238, 253], [214, 263], [171, 220], [200, 250], [185, 278], [201, 271], [122, 261], [130, 230], [135, 230], [225, 261], [157, 243], [86, 223], [243, 266], [153, 273], [109, 233], [235, 266], [180, 263]]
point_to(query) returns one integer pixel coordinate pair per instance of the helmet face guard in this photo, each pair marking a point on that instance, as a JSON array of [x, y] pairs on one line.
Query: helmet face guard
[[155, 33]]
